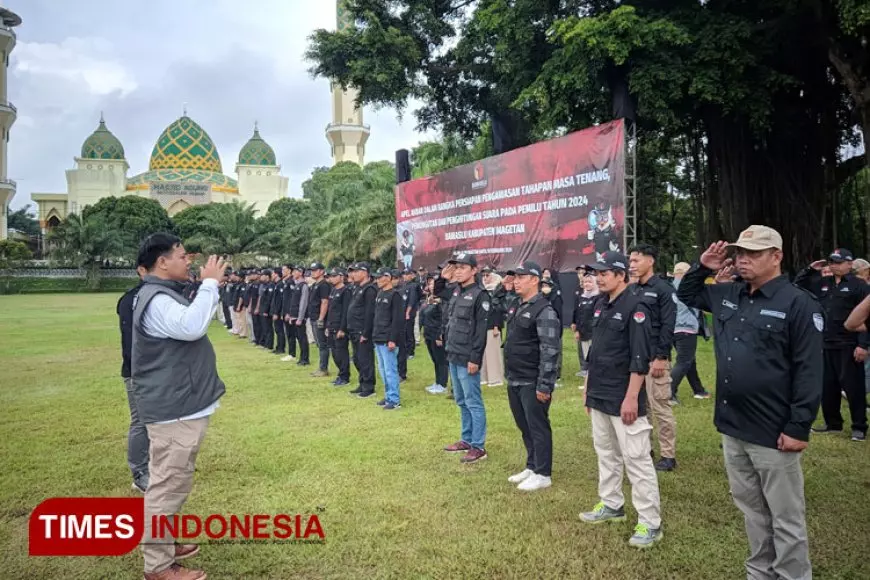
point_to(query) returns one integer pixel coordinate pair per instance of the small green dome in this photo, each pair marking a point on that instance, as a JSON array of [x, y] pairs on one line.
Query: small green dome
[[257, 152], [185, 145], [102, 144]]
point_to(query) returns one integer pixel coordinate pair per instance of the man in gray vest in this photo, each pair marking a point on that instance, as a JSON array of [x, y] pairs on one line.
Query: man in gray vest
[[177, 388]]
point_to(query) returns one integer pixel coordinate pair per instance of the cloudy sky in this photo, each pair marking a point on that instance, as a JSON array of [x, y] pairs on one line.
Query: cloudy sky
[[140, 62]]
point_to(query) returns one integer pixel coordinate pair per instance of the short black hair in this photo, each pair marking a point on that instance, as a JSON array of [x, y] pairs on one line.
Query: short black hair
[[155, 246], [645, 250]]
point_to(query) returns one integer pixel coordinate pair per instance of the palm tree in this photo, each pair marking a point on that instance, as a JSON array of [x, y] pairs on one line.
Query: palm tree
[[86, 242], [232, 230]]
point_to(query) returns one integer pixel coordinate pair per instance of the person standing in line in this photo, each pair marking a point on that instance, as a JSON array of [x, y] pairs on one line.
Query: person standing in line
[[286, 300], [686, 344], [861, 268], [661, 300], [360, 326], [226, 299], [268, 336], [239, 304], [531, 354], [275, 309], [176, 388], [387, 334], [299, 314], [336, 326], [402, 356], [615, 399], [253, 309], [467, 323], [769, 365], [137, 434], [414, 292], [430, 318], [260, 306], [581, 323], [492, 369], [317, 308], [845, 352]]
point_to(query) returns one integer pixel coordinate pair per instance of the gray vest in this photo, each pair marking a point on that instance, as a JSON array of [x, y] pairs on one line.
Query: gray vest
[[171, 378]]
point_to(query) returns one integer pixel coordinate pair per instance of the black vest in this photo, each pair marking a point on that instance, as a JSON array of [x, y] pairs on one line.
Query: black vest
[[522, 353], [360, 298], [336, 308], [295, 298], [460, 320]]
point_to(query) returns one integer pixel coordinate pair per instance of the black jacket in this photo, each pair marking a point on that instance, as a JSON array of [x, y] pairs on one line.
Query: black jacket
[[336, 314], [584, 310], [389, 318], [467, 324], [769, 356], [837, 301], [659, 297], [361, 309], [124, 310], [430, 320]]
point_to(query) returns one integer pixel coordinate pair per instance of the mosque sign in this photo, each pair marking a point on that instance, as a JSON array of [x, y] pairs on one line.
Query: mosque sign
[[180, 188]]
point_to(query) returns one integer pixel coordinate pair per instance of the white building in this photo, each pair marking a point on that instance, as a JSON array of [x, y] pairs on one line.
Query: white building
[[8, 113]]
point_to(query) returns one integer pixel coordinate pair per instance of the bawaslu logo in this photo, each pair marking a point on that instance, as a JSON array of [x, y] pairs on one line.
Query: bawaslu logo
[[479, 181]]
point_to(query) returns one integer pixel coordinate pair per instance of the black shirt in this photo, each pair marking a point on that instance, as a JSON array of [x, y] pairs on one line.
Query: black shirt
[[621, 345], [769, 357], [430, 319], [584, 310], [474, 316], [336, 314], [389, 323], [837, 301], [661, 300], [361, 309], [320, 291], [266, 302], [414, 295], [125, 322]]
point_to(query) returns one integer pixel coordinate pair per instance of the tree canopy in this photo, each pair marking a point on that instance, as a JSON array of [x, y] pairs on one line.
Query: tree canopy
[[134, 218]]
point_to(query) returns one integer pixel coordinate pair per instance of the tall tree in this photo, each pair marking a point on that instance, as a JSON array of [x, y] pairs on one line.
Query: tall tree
[[86, 243], [23, 220], [231, 230], [134, 217]]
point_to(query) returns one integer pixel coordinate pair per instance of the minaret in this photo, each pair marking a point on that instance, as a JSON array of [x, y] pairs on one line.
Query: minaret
[[347, 134], [8, 112]]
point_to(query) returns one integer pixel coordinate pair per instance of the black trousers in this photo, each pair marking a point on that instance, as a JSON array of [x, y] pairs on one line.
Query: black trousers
[[533, 419], [686, 366], [842, 373], [302, 337], [364, 361], [403, 359], [228, 319], [290, 333], [322, 345], [279, 334], [410, 341], [340, 354], [255, 321], [439, 359], [267, 333]]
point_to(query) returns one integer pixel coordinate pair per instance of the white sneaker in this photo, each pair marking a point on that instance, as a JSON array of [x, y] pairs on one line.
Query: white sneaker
[[521, 476], [436, 390], [535, 482], [288, 358]]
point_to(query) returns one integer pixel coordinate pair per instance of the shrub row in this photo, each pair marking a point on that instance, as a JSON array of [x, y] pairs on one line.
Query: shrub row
[[38, 285]]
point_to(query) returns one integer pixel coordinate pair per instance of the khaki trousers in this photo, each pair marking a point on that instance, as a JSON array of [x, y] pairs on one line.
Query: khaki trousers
[[626, 447], [174, 447], [492, 369], [240, 322], [660, 413]]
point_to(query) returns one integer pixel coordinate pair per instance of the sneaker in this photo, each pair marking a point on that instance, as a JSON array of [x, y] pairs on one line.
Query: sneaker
[[584, 374], [411, 357], [858, 435], [319, 373], [535, 482], [340, 382], [140, 482], [176, 572], [436, 390], [355, 391], [645, 536], [391, 406], [601, 513], [666, 464], [185, 551], [276, 351], [473, 456], [521, 476], [381, 403], [288, 358], [366, 394], [704, 395], [459, 446], [302, 363], [826, 429], [673, 401]]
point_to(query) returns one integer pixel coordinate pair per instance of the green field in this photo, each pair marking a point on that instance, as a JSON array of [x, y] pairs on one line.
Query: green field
[[394, 505]]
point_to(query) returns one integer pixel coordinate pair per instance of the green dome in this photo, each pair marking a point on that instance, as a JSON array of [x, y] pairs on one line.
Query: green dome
[[257, 152], [102, 144], [185, 145]]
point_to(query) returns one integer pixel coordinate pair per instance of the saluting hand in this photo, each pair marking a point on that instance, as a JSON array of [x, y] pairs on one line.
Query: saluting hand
[[818, 265], [715, 256], [726, 274], [790, 445]]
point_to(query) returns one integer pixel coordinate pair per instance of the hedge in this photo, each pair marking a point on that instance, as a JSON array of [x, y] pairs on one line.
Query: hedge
[[35, 285]]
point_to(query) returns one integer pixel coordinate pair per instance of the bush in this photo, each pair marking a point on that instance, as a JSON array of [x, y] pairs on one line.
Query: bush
[[15, 285]]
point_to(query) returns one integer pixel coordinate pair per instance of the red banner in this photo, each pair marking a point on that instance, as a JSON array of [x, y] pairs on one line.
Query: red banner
[[559, 202]]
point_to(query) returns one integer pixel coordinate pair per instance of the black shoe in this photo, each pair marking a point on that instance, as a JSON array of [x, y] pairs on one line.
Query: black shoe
[[366, 394], [666, 464], [858, 436], [140, 482], [276, 351], [356, 391], [381, 403], [303, 363], [826, 429], [340, 382]]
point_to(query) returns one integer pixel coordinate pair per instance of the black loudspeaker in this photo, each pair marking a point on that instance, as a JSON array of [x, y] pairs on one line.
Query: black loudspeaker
[[403, 166], [623, 102], [503, 133]]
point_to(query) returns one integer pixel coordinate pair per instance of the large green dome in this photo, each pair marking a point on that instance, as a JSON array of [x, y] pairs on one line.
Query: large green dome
[[185, 145], [102, 144], [257, 152]]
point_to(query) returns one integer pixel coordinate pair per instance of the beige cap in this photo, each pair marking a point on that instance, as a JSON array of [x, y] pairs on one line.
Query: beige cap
[[860, 264], [681, 268], [755, 238]]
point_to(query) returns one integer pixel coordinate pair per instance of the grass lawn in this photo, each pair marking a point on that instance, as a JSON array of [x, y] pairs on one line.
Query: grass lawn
[[394, 504]]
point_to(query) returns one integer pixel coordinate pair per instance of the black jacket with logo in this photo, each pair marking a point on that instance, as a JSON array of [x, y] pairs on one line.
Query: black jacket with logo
[[389, 324], [837, 301]]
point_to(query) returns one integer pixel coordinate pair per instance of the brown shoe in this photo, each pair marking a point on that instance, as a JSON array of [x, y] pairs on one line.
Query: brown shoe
[[320, 374], [474, 455], [184, 551], [459, 446], [176, 572]]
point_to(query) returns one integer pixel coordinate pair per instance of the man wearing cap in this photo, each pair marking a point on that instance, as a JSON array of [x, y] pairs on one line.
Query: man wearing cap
[[844, 351], [266, 306], [250, 304], [465, 335], [387, 334], [287, 329], [317, 308], [531, 356], [615, 399], [275, 309], [239, 304], [402, 355], [296, 314], [360, 326], [414, 293], [768, 345], [661, 301], [261, 303], [336, 326], [226, 296], [686, 343]]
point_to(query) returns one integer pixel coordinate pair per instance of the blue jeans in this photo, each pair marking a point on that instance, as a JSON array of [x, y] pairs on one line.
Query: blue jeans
[[388, 365], [466, 393]]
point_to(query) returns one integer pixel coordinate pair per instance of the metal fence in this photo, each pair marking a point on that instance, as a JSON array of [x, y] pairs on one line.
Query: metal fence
[[67, 273]]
